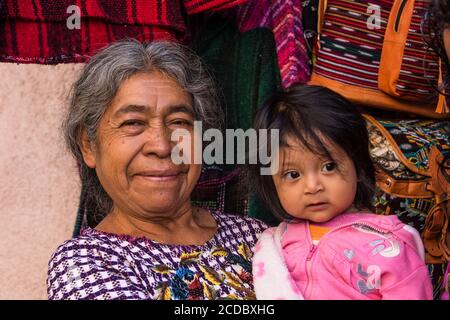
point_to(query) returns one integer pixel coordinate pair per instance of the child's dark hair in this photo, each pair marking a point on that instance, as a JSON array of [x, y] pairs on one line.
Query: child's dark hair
[[435, 21], [312, 114]]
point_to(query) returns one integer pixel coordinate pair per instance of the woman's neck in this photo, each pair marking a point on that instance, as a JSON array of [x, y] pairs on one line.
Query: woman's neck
[[187, 226]]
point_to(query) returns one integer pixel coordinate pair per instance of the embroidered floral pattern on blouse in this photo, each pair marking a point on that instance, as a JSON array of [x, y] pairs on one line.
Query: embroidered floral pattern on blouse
[[186, 284]]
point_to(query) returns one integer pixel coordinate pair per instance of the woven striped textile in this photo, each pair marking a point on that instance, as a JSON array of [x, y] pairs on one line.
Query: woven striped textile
[[350, 51]]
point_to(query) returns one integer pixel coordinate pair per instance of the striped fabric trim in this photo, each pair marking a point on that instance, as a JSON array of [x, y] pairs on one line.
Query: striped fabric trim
[[195, 6], [350, 52]]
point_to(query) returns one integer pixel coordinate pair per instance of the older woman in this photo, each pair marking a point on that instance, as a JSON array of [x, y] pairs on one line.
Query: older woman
[[153, 244]]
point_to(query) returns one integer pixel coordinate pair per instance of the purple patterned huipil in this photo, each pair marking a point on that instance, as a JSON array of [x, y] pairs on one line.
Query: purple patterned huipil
[[99, 265]]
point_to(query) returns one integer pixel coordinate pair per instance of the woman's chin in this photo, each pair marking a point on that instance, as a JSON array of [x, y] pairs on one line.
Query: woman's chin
[[159, 201]]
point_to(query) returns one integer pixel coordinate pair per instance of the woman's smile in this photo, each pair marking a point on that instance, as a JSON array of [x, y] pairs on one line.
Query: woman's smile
[[163, 177]]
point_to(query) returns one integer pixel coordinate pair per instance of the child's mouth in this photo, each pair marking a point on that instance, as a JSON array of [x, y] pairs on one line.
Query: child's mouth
[[317, 206]]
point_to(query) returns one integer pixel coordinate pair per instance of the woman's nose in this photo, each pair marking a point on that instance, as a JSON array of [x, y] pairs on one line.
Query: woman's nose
[[313, 184], [158, 142]]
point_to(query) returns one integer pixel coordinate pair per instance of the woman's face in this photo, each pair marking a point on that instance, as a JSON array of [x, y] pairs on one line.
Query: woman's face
[[132, 156]]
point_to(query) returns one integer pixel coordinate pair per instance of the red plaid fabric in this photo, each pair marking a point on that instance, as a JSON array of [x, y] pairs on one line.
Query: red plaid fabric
[[35, 31]]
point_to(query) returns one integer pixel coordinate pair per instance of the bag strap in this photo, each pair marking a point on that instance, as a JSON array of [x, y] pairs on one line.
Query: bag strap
[[435, 234], [403, 188], [394, 45], [442, 101], [321, 14], [320, 19], [393, 49]]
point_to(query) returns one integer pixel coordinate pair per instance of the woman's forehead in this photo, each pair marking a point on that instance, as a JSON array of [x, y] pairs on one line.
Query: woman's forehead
[[152, 91]]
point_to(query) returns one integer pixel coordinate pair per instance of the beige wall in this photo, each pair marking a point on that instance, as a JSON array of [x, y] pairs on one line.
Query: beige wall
[[39, 187]]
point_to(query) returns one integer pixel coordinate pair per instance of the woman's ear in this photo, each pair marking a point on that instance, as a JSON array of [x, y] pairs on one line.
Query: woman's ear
[[87, 150]]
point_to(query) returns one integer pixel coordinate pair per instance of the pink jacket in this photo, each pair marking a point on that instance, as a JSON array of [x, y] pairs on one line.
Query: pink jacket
[[364, 256]]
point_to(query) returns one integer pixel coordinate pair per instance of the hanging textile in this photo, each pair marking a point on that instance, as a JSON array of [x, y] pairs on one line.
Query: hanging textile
[[48, 32], [284, 19]]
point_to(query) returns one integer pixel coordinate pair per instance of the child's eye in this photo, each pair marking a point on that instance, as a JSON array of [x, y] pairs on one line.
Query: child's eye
[[292, 175], [329, 167]]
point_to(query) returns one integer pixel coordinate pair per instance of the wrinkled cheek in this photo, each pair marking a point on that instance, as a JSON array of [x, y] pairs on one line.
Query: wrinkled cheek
[[193, 175], [112, 180]]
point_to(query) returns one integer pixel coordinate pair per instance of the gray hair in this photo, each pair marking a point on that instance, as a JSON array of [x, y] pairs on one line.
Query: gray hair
[[101, 78]]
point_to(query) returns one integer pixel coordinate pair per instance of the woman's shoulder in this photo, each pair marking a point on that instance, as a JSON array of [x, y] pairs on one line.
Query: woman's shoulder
[[233, 220], [89, 245], [88, 237]]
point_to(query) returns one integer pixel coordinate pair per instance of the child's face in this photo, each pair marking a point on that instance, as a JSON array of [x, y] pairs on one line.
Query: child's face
[[310, 187]]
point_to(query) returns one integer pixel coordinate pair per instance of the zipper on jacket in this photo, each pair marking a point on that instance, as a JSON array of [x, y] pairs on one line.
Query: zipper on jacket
[[308, 268], [359, 223], [399, 14], [371, 227]]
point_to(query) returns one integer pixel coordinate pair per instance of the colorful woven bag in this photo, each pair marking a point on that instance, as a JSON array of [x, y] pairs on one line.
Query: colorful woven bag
[[374, 54], [411, 183]]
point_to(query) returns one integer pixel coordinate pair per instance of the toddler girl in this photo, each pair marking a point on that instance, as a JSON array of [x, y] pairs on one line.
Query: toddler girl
[[329, 245]]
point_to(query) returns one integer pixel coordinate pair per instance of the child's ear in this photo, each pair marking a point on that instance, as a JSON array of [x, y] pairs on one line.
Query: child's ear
[[87, 148]]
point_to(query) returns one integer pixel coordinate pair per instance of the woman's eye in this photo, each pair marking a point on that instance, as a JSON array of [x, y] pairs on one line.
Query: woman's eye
[[181, 122], [329, 167], [132, 123], [292, 175]]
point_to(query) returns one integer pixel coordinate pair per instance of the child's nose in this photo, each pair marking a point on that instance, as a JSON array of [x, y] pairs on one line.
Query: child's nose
[[313, 184]]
